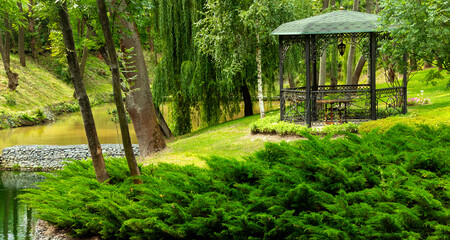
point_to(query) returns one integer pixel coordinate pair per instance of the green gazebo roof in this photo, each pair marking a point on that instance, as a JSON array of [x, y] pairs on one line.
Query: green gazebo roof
[[341, 21]]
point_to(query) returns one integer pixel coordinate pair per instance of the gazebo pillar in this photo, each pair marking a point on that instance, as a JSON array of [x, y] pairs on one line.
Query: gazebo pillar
[[308, 79], [405, 85], [281, 55], [373, 62], [315, 80]]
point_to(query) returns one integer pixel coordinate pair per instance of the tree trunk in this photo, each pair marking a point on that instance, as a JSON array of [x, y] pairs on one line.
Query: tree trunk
[[83, 99], [291, 80], [323, 69], [163, 124], [5, 50], [351, 53], [21, 39], [101, 49], [362, 59], [248, 109], [427, 65], [391, 74], [152, 45], [139, 100], [334, 58], [128, 147], [325, 4], [358, 70], [32, 31], [260, 83], [334, 65], [413, 63], [85, 52], [369, 6], [323, 57]]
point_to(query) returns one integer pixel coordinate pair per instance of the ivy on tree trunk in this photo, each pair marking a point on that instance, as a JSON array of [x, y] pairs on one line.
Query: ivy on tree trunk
[[139, 100]]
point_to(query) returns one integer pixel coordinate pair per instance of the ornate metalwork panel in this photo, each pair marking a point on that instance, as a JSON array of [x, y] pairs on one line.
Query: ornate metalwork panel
[[340, 104], [389, 101], [295, 109]]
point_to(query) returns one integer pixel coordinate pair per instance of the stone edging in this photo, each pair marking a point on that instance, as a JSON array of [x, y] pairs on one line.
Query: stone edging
[[52, 157]]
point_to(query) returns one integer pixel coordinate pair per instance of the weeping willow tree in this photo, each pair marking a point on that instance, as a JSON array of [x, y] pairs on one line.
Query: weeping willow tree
[[185, 77], [174, 73]]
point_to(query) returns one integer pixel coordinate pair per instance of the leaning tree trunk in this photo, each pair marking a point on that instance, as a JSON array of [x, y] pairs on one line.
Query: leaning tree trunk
[[128, 147], [323, 57], [362, 59], [21, 39], [260, 84], [334, 60], [163, 124], [85, 52], [83, 99], [5, 50], [351, 53], [358, 70], [139, 100], [33, 41]]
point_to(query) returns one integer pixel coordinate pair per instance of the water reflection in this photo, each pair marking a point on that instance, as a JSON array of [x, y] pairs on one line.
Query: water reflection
[[68, 130], [16, 217]]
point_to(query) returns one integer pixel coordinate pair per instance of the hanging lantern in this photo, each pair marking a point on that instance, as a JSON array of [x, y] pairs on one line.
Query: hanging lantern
[[341, 48]]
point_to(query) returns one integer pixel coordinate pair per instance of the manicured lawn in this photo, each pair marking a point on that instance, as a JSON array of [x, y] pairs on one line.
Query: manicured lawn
[[230, 139], [435, 113]]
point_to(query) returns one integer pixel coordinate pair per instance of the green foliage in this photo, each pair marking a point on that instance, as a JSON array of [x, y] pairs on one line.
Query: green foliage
[[64, 107], [421, 30], [10, 99], [115, 118], [273, 125], [411, 120], [375, 186]]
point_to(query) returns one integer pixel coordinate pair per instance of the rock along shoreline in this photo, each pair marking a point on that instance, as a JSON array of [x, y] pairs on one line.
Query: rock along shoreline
[[52, 157]]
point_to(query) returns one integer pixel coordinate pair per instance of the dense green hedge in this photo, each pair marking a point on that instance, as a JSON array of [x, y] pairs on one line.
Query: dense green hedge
[[273, 125], [393, 185]]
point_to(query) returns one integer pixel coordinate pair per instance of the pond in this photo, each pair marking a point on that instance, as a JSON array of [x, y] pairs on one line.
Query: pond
[[67, 130], [16, 218]]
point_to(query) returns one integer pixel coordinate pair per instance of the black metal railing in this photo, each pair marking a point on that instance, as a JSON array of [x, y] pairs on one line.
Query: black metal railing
[[339, 104], [389, 101]]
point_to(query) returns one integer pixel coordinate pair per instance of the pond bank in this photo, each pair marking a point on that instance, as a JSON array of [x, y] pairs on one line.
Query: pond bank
[[52, 157]]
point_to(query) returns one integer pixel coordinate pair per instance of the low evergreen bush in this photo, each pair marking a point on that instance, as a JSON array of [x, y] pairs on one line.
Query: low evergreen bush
[[273, 125], [393, 185]]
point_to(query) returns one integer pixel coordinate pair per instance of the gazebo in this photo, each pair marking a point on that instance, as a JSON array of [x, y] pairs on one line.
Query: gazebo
[[317, 105]]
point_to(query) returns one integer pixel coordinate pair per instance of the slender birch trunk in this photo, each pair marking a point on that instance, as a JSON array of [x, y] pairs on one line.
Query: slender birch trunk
[[260, 83]]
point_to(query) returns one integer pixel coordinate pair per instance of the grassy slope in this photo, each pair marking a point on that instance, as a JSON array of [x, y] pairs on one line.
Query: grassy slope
[[233, 139], [432, 114], [39, 87]]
